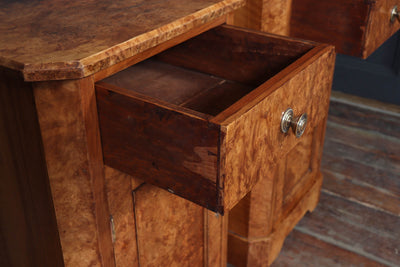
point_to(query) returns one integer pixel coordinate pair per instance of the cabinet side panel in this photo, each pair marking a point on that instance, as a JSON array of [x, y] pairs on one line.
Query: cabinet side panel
[[249, 16], [340, 23], [28, 228], [68, 121], [271, 16]]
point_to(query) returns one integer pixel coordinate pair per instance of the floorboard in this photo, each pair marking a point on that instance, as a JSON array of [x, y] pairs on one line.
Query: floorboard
[[307, 250]]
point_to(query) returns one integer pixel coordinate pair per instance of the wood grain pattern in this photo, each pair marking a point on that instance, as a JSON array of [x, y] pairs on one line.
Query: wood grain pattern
[[304, 250], [379, 27], [28, 227], [169, 149], [215, 238], [248, 16], [366, 135], [273, 200], [263, 251], [343, 28], [350, 111], [163, 159], [271, 16], [163, 81], [271, 206], [360, 173], [293, 193], [158, 48], [298, 162], [68, 121], [49, 40], [356, 28], [356, 221], [236, 54], [247, 156], [360, 229], [197, 91], [253, 216], [176, 232], [119, 188]]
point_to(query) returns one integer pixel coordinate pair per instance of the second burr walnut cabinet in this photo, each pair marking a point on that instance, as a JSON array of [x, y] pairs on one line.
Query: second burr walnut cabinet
[[354, 27]]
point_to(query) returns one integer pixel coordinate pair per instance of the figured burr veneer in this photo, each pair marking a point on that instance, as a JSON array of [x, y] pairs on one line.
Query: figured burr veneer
[[130, 130], [206, 131], [56, 40]]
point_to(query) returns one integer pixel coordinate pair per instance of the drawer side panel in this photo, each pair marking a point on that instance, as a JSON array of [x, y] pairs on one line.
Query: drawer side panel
[[160, 146]]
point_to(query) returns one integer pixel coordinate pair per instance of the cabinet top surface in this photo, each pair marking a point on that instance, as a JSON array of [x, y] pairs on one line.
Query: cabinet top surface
[[66, 39]]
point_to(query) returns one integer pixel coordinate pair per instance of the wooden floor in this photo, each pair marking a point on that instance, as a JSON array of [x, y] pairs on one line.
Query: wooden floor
[[357, 221]]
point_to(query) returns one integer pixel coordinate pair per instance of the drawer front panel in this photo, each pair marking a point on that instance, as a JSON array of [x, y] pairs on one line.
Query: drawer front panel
[[380, 27], [254, 141]]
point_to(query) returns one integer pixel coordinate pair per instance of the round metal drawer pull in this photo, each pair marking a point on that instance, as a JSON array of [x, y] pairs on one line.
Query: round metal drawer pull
[[298, 124], [395, 14]]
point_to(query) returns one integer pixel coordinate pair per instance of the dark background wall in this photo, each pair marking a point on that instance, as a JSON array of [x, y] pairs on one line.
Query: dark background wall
[[377, 77]]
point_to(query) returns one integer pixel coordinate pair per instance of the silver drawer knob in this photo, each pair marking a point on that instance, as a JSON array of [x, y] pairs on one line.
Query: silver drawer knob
[[298, 124], [395, 14]]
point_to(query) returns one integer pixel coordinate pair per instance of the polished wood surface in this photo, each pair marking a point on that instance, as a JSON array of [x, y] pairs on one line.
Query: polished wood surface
[[264, 15], [175, 232], [52, 40], [68, 121], [252, 153], [104, 217], [221, 168], [104, 73], [262, 251], [260, 222], [151, 150], [153, 227], [119, 188], [28, 227], [238, 54], [356, 28]]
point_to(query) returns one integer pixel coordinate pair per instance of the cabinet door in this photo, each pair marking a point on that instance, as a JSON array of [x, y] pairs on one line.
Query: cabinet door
[[152, 227], [261, 221]]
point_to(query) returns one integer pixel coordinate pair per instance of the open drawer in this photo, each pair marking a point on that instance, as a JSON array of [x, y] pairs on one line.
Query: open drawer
[[202, 119]]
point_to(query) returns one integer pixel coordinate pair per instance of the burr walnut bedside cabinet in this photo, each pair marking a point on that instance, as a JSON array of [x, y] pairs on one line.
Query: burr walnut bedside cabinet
[[131, 129]]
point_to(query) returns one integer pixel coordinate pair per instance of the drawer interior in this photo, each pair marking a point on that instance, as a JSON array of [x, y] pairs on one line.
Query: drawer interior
[[212, 71]]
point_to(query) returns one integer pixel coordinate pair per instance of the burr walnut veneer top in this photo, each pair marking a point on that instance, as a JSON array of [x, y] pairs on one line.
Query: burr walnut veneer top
[[59, 39]]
